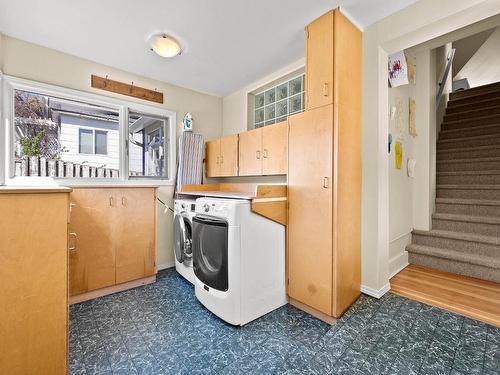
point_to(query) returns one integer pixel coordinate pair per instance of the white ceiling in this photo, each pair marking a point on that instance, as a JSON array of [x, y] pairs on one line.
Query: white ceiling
[[227, 43]]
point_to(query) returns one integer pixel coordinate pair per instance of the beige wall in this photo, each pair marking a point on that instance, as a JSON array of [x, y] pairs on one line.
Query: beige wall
[[421, 22], [29, 61]]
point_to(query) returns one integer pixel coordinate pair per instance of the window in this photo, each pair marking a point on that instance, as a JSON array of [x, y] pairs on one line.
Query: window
[[148, 145], [93, 142], [62, 133], [277, 103]]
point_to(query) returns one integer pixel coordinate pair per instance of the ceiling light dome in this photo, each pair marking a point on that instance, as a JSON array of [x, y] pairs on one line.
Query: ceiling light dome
[[164, 45]]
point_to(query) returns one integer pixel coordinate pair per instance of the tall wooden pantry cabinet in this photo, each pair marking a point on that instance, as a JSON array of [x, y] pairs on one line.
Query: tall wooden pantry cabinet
[[324, 172]]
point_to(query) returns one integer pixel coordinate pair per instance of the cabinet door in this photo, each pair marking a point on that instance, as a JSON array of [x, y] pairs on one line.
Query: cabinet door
[[92, 262], [275, 148], [33, 276], [229, 156], [212, 157], [310, 220], [319, 61], [135, 234], [250, 150]]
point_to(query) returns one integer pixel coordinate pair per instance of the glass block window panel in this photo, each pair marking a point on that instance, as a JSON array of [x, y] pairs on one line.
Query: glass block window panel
[[282, 91], [277, 103], [270, 112], [295, 103], [85, 141], [282, 108], [259, 100], [296, 85], [270, 96], [147, 145], [101, 142]]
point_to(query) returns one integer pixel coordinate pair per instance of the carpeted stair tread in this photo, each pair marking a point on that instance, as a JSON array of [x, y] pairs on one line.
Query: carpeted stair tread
[[478, 104], [467, 218], [469, 237], [473, 148], [484, 202], [475, 259], [474, 98], [470, 187], [455, 130], [471, 138], [475, 91], [470, 160], [473, 113], [469, 173]]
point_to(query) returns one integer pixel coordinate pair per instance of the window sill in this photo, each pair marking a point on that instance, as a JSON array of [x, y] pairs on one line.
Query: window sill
[[84, 183]]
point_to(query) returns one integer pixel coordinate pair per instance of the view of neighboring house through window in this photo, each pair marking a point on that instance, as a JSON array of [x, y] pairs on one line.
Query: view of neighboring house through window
[[148, 145], [275, 104], [56, 137]]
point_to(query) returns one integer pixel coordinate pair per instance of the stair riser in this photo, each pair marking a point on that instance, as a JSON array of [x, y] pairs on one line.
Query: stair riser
[[474, 99], [464, 154], [471, 114], [474, 91], [468, 179], [467, 166], [466, 227], [471, 123], [465, 247], [472, 106], [468, 209], [464, 143], [468, 194], [471, 132], [460, 268]]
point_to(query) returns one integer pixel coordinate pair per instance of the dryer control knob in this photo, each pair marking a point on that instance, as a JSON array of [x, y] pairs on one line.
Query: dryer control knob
[[206, 207]]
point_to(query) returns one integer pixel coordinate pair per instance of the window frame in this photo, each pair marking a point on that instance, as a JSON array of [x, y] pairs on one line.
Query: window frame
[[7, 134]]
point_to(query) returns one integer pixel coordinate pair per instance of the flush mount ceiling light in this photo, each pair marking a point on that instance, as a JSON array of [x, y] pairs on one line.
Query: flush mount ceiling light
[[164, 45]]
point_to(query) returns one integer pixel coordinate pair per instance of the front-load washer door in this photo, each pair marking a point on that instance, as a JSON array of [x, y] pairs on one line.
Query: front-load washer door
[[182, 238], [210, 252]]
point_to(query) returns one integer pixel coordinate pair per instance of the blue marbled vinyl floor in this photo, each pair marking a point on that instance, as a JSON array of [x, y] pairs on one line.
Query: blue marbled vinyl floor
[[162, 329]]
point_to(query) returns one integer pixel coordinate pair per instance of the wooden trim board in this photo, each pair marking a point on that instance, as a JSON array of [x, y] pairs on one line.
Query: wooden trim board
[[467, 296], [121, 88], [111, 289]]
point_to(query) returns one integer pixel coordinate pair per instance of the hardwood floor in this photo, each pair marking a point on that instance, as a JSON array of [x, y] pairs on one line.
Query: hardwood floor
[[474, 298]]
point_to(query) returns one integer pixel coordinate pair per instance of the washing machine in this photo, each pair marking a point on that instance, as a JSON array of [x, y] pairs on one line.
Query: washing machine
[[238, 260], [184, 211]]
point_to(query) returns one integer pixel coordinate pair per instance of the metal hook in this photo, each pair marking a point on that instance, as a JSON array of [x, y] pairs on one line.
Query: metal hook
[[131, 87], [106, 81]]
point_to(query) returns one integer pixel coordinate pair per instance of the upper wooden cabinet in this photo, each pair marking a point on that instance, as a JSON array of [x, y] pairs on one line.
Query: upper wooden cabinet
[[263, 151], [112, 237], [221, 157], [319, 61]]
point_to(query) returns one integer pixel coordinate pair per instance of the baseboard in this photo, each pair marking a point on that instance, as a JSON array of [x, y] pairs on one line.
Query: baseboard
[[399, 263], [164, 266], [374, 292]]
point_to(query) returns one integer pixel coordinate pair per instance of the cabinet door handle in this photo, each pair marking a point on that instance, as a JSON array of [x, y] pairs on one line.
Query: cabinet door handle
[[73, 234], [257, 154], [325, 89], [222, 159], [265, 154], [218, 159], [124, 201], [111, 201], [325, 182]]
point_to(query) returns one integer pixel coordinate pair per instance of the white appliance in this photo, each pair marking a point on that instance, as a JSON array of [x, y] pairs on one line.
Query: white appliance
[[238, 260], [184, 211]]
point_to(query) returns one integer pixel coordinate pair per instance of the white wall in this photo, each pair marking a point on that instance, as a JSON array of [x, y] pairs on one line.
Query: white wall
[[30, 61], [420, 22], [484, 66]]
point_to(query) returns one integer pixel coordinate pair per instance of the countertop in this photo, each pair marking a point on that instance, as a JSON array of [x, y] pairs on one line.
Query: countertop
[[220, 194], [34, 189]]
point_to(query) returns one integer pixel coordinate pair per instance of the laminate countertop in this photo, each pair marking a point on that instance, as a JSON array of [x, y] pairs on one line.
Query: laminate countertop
[[34, 189]]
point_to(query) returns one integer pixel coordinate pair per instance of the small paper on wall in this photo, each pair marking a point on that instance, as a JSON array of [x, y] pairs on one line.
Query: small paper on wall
[[399, 154], [412, 120], [398, 69]]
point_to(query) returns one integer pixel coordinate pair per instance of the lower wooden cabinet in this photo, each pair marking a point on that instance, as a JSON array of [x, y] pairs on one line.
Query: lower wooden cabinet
[[112, 237], [34, 283]]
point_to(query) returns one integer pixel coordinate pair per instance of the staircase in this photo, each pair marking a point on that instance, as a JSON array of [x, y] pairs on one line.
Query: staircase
[[465, 235]]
